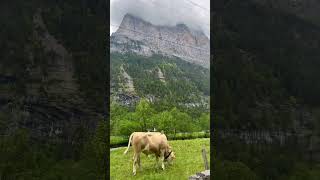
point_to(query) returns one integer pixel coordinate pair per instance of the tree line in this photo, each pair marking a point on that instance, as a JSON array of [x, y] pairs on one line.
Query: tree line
[[144, 117]]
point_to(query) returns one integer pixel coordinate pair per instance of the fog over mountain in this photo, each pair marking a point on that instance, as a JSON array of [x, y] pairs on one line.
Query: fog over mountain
[[195, 14]]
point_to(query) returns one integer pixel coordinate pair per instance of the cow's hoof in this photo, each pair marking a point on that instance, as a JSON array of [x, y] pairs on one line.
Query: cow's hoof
[[134, 173]]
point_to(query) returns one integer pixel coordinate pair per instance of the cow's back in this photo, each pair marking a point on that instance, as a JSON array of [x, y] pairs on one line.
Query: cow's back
[[152, 141], [159, 138]]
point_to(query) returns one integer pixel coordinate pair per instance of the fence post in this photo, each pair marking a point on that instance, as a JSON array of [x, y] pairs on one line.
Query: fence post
[[204, 156]]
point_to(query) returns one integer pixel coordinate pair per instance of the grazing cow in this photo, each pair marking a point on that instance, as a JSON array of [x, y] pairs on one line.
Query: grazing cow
[[150, 143]]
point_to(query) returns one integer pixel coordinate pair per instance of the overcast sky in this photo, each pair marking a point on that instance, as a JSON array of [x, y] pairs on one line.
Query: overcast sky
[[163, 12]]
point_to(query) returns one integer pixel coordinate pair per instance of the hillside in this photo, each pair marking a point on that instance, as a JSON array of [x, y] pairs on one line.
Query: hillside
[[160, 79]]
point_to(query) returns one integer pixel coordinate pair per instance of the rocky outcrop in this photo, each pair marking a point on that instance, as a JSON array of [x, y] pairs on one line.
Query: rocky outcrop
[[141, 37], [161, 76], [59, 74], [205, 175], [125, 99], [127, 85]]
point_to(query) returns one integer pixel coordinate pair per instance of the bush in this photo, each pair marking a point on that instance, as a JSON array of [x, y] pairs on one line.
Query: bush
[[227, 170]]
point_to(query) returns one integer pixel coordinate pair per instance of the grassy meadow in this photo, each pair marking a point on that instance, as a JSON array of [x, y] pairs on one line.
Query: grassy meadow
[[188, 161]]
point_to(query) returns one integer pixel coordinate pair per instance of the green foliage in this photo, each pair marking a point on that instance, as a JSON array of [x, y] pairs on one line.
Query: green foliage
[[143, 113], [126, 127], [144, 118], [118, 140], [181, 122], [233, 170], [204, 121], [15, 159], [301, 171]]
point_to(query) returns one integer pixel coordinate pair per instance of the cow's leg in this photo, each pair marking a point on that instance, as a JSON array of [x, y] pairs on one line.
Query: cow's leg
[[139, 162], [157, 161], [134, 164], [162, 162], [134, 154], [162, 159]]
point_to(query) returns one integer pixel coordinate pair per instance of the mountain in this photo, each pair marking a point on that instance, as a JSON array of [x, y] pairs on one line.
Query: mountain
[[136, 35], [304, 9], [145, 63], [155, 68]]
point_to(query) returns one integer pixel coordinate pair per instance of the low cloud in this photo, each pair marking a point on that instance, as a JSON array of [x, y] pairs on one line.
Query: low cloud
[[164, 12]]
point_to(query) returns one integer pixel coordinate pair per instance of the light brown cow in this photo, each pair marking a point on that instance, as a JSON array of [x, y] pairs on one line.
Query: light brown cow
[[150, 143]]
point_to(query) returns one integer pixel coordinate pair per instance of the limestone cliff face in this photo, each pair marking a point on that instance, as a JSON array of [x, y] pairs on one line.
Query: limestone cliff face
[[141, 37], [59, 77]]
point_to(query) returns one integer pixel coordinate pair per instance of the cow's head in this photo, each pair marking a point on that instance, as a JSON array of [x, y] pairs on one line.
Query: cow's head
[[169, 155]]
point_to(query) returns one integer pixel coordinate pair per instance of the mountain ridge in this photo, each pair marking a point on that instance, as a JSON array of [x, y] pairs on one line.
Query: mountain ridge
[[141, 37]]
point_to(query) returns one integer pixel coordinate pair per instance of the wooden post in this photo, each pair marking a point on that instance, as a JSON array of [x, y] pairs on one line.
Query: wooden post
[[204, 156]]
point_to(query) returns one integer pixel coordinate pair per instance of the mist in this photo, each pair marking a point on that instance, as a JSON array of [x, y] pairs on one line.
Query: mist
[[163, 12]]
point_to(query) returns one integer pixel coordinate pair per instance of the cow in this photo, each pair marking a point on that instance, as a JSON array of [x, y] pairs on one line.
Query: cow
[[150, 143]]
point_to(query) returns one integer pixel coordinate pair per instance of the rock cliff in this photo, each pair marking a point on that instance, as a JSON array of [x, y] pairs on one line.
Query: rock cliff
[[141, 37]]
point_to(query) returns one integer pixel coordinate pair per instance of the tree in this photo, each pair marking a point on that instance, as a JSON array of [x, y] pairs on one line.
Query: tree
[[163, 121], [204, 121], [180, 121], [117, 112], [144, 113]]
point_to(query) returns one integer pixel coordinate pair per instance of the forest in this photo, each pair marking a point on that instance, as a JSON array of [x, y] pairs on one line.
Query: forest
[[182, 82], [145, 118]]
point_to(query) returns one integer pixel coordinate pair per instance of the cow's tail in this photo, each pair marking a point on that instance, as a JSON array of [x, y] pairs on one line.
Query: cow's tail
[[125, 152]]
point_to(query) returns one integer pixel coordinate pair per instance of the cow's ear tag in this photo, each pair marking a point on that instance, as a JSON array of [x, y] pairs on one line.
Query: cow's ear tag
[[162, 132]]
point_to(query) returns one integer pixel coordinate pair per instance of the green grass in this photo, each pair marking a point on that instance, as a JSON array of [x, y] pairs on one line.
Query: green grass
[[188, 162], [114, 140]]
